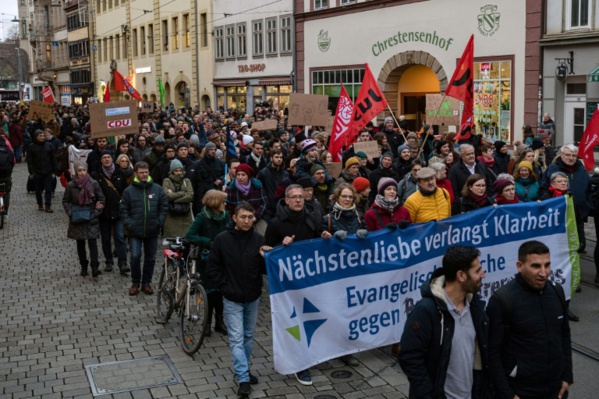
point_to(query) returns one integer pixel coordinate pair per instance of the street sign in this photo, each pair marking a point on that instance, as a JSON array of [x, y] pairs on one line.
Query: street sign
[[94, 48]]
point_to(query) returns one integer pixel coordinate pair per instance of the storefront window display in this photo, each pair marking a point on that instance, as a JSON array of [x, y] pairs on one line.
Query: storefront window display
[[236, 98], [220, 97], [492, 99], [329, 83], [278, 96]]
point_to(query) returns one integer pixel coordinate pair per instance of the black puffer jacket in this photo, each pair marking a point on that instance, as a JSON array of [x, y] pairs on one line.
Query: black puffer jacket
[[40, 158], [143, 208], [235, 265], [88, 230], [426, 343], [304, 225]]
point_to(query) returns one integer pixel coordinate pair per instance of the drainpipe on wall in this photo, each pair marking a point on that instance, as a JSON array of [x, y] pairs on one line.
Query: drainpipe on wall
[[293, 59]]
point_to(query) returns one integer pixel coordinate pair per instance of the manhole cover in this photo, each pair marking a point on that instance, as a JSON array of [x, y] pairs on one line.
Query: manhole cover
[[341, 374], [131, 375], [325, 397]]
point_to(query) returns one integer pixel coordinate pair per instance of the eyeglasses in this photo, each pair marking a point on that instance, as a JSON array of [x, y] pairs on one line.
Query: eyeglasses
[[296, 197]]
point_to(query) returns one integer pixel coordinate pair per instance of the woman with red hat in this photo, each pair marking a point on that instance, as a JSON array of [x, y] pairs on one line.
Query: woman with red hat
[[246, 188]]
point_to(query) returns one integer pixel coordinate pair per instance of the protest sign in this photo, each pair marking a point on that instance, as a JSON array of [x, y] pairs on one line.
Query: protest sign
[[442, 112], [334, 169], [40, 109], [113, 118], [370, 148], [331, 298], [269, 124], [308, 109], [147, 107]]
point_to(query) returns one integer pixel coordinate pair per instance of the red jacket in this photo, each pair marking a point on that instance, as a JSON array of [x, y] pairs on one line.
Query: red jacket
[[373, 221], [15, 135], [446, 184]]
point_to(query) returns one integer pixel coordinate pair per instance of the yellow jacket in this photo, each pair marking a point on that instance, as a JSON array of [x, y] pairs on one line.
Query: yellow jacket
[[426, 208]]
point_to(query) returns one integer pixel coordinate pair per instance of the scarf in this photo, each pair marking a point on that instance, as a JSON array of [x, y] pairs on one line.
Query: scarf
[[322, 187], [245, 189], [487, 162], [86, 193], [108, 172], [502, 200], [555, 192], [338, 210], [385, 203], [255, 158], [480, 200], [210, 214]]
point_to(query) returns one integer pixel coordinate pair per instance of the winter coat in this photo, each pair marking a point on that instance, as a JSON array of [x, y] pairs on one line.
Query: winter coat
[[182, 193], [406, 187], [375, 176], [466, 204], [459, 173], [527, 189], [208, 170], [257, 167], [15, 135], [161, 170], [235, 265], [270, 179], [304, 225], [112, 192], [255, 197], [427, 338], [344, 177], [152, 158], [535, 338], [302, 169], [579, 185], [377, 218], [425, 208], [402, 167], [349, 221], [140, 153], [94, 160], [86, 230], [40, 158], [501, 162], [143, 208]]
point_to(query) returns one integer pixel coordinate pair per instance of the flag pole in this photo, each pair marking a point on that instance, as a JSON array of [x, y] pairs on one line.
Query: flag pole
[[397, 123], [435, 116]]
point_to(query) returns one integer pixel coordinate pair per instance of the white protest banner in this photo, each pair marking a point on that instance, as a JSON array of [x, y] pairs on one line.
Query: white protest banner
[[76, 155], [331, 298]]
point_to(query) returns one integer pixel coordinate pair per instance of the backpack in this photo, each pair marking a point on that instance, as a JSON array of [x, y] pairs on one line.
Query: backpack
[[7, 158]]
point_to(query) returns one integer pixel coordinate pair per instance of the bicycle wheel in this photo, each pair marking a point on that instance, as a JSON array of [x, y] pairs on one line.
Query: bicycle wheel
[[193, 321], [165, 304]]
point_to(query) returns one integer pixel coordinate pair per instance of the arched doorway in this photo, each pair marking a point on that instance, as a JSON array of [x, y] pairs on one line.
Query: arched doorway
[[152, 97], [406, 78], [182, 94], [205, 102], [167, 94]]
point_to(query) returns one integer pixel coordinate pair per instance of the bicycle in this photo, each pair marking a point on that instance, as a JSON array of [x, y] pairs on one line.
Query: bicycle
[[180, 290], [2, 194]]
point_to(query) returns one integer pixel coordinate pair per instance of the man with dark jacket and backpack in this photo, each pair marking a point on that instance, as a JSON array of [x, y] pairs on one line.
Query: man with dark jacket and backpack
[[144, 207], [445, 339], [530, 349], [112, 182], [41, 164]]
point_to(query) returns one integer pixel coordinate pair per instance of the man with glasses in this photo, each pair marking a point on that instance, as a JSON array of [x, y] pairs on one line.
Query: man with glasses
[[467, 166]]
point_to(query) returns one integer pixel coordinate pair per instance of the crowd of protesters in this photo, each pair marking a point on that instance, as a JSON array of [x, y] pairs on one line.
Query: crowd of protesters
[[200, 174]]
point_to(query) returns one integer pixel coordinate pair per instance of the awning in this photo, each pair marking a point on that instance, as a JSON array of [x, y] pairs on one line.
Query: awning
[[228, 83], [594, 76], [284, 81]]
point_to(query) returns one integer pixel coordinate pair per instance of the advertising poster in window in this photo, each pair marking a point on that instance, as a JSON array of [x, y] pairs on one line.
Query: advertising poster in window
[[492, 99]]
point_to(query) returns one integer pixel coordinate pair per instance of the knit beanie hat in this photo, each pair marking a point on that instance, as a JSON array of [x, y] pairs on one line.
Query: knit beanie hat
[[352, 161], [210, 146], [361, 155], [384, 183], [388, 119], [176, 164], [305, 182], [159, 140], [500, 184], [439, 144], [401, 148], [499, 145], [181, 145], [527, 165], [536, 144], [106, 152], [245, 168], [388, 154], [361, 184], [315, 168]]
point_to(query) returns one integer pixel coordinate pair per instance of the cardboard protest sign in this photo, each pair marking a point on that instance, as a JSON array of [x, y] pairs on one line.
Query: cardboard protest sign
[[113, 118], [39, 109], [334, 169], [370, 148], [269, 124], [443, 113], [147, 107], [308, 109]]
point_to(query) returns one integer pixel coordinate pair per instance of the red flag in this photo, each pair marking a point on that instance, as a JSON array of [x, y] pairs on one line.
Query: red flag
[[107, 93], [341, 124], [461, 87], [589, 140], [48, 95], [369, 104], [122, 84]]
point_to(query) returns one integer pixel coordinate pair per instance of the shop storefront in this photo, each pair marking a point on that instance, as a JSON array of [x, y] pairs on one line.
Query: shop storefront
[[245, 95], [418, 57]]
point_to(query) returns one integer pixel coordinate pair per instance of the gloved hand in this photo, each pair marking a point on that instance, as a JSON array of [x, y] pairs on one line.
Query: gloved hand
[[361, 233], [392, 226], [341, 234], [403, 224]]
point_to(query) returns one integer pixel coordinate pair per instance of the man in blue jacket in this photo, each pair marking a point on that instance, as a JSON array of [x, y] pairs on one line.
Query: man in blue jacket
[[143, 208]]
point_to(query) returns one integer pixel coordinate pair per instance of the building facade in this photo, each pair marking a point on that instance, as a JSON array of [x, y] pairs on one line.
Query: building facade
[[570, 47], [412, 48], [80, 48], [253, 54]]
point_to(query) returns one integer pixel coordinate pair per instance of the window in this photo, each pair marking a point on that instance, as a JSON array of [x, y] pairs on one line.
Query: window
[[204, 26], [151, 38], [576, 88], [219, 44], [318, 4], [48, 55], [493, 99], [98, 5], [258, 38], [116, 3], [186, 32], [345, 2], [24, 29], [241, 47], [165, 35], [111, 47], [79, 49], [80, 76], [286, 34], [105, 50], [578, 13], [175, 33], [142, 37], [117, 47], [230, 40], [134, 42], [271, 36], [329, 83]]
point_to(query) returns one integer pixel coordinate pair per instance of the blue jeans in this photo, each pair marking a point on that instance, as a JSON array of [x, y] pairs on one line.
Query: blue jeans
[[150, 245], [109, 229], [18, 152], [241, 323]]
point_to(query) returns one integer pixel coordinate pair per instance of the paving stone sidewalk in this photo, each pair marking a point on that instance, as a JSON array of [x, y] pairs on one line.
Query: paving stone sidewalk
[[53, 323]]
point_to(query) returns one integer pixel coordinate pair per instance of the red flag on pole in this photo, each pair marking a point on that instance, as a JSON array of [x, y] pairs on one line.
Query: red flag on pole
[[589, 140], [107, 93], [122, 84], [48, 95], [341, 125], [461, 87], [369, 104]]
